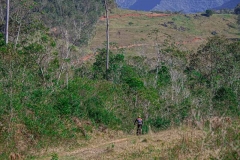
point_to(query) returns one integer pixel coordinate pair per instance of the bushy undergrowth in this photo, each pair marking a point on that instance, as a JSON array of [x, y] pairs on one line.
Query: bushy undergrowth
[[218, 143], [70, 20], [36, 93]]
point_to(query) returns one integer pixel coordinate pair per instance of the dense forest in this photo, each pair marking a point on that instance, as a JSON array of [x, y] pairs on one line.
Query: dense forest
[[43, 91]]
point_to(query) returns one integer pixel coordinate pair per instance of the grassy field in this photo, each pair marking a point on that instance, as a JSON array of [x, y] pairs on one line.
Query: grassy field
[[181, 143], [139, 32]]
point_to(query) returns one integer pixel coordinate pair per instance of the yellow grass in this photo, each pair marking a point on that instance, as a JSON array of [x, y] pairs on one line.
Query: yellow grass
[[183, 142], [135, 33], [150, 146]]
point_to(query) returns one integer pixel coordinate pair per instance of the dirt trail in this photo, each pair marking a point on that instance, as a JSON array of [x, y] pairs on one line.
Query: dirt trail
[[131, 145], [90, 56], [95, 147], [135, 15]]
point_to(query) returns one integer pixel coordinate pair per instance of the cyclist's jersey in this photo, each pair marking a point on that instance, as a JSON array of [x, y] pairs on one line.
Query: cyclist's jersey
[[139, 121]]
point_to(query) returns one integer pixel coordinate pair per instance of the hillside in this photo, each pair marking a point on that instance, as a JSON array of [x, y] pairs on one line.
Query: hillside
[[125, 3], [186, 6], [144, 5], [58, 100], [139, 33], [229, 5], [191, 6]]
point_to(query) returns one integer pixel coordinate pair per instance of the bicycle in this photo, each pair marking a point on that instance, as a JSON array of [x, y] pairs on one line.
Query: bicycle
[[139, 130]]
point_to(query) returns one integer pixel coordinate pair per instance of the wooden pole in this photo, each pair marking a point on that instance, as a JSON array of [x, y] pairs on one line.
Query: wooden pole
[[107, 36], [7, 21]]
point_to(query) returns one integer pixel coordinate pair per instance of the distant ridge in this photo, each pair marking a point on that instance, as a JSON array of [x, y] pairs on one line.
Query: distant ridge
[[144, 5], [186, 6], [229, 5]]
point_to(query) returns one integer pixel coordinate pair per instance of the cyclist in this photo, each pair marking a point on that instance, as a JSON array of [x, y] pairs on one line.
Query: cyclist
[[139, 123]]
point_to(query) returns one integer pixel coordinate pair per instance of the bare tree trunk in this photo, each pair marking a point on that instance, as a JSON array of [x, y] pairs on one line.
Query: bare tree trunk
[[157, 68], [2, 13], [135, 103], [7, 21], [67, 78], [19, 29], [107, 36], [67, 56], [10, 128], [60, 73]]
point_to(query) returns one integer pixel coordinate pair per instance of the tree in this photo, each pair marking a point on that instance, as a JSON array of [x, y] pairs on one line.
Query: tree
[[238, 21], [107, 36], [21, 19], [107, 4], [115, 66], [7, 21], [76, 16], [209, 12], [237, 9], [216, 66]]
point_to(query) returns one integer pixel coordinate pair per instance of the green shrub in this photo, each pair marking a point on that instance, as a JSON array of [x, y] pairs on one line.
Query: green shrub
[[209, 12], [238, 21], [130, 23], [145, 128], [99, 114], [164, 77], [226, 101], [160, 123], [54, 156], [115, 65], [134, 83]]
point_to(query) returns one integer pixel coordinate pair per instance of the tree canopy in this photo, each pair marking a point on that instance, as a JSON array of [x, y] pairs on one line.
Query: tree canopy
[[237, 9]]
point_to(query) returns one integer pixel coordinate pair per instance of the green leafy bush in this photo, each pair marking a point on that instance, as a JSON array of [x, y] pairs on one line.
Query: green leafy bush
[[134, 83], [115, 65], [209, 12], [160, 123], [164, 76], [226, 101]]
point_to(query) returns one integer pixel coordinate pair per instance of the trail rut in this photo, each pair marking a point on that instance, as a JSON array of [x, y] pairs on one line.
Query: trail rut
[[131, 145]]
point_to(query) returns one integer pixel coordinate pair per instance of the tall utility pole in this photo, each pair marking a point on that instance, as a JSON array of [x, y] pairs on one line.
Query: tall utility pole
[[7, 21], [107, 36]]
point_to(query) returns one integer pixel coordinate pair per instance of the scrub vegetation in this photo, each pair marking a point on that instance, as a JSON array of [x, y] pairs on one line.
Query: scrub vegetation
[[50, 97]]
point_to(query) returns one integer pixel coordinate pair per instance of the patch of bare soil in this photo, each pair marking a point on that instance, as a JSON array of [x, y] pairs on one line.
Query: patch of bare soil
[[135, 15], [127, 147], [90, 56], [194, 40], [83, 59]]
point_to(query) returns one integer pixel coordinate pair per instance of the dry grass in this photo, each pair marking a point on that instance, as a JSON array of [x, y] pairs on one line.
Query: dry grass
[[177, 143], [135, 33], [133, 147]]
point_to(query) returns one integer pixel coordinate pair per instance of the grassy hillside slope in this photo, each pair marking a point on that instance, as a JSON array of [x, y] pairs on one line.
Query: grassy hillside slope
[[140, 32]]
